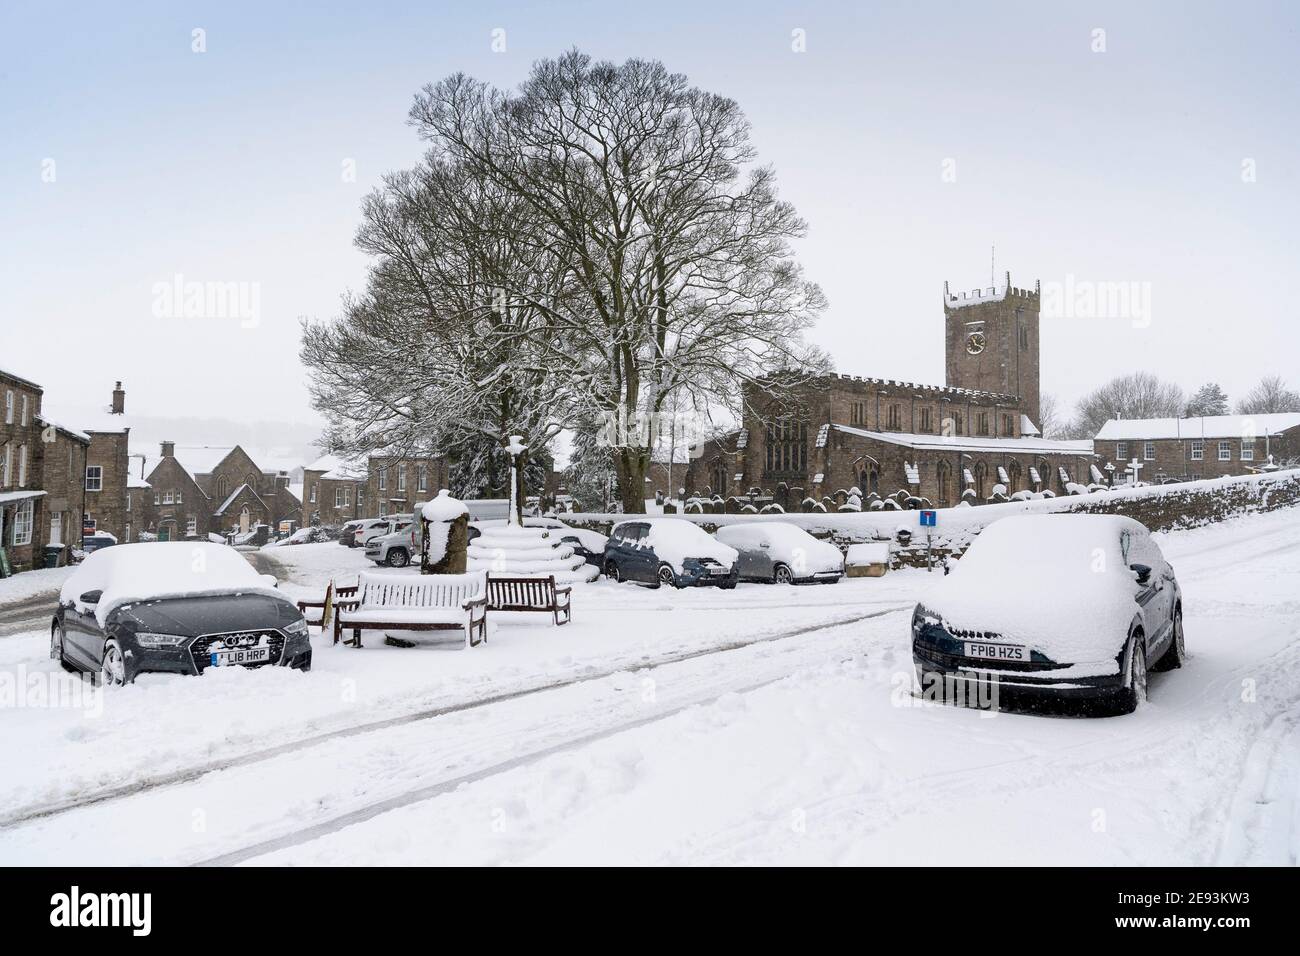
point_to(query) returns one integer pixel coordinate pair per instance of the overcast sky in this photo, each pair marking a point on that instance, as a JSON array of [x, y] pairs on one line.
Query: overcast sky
[[912, 137]]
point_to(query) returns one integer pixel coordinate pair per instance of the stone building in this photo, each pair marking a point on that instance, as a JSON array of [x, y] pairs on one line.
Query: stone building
[[1191, 448], [41, 477], [337, 490], [964, 440], [108, 471], [201, 490]]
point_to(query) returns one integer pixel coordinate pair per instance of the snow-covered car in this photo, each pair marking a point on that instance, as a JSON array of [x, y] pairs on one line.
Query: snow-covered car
[[308, 535], [365, 530], [395, 549], [181, 606], [669, 551], [589, 545], [91, 543], [1064, 606], [781, 553]]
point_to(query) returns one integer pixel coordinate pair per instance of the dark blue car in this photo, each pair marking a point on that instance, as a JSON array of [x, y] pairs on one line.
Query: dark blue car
[[669, 551]]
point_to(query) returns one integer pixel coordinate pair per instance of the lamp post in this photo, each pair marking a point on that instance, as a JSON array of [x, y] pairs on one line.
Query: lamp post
[[515, 449]]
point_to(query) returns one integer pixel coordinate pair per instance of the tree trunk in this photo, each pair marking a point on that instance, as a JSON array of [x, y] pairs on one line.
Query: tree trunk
[[632, 464]]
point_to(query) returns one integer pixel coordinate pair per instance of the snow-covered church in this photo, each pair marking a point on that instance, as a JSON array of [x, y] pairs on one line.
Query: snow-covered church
[[948, 443]]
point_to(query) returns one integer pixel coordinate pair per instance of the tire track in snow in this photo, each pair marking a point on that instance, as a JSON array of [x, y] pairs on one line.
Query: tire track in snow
[[185, 775]]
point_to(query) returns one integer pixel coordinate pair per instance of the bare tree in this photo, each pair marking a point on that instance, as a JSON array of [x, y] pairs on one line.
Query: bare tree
[[677, 247], [1049, 410], [1139, 395], [436, 356], [1270, 395]]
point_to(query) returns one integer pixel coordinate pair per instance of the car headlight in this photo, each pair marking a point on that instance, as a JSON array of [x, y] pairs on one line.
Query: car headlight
[[297, 629], [150, 639]]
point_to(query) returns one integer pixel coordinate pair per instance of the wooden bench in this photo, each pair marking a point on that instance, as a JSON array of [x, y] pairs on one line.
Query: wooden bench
[[414, 602], [530, 594]]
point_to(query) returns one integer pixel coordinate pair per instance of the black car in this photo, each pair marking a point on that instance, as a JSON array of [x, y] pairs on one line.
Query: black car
[[669, 551], [1094, 609], [143, 607]]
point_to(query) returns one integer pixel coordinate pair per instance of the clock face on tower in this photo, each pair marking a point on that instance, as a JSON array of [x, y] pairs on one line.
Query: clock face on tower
[[975, 343]]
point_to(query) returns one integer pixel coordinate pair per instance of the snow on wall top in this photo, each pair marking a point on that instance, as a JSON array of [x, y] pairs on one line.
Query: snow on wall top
[[1011, 446], [1209, 426]]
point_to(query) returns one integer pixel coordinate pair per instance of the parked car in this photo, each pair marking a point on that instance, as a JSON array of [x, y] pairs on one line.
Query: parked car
[[180, 606], [781, 553], [357, 533], [397, 548], [669, 551], [308, 535], [589, 545], [93, 542], [1055, 606]]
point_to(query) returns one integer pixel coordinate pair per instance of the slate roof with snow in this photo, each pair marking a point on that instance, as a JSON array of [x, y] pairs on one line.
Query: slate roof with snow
[[1009, 446], [1209, 426], [201, 459]]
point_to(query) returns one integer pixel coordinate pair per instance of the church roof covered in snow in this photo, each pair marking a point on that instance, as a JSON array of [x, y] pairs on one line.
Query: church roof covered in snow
[[1009, 446]]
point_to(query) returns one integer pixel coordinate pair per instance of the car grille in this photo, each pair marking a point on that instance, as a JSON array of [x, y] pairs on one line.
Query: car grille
[[201, 647], [952, 662]]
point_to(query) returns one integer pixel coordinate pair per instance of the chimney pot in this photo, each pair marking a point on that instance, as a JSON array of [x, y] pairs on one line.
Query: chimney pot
[[169, 449], [119, 400]]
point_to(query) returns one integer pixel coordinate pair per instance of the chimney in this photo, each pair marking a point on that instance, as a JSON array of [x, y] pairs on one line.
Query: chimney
[[119, 400], [169, 449]]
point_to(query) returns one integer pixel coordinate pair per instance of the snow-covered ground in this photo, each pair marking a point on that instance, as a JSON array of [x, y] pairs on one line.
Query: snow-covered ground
[[765, 724]]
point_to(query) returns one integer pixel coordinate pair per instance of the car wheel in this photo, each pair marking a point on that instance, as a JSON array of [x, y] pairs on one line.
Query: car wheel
[[1173, 658], [398, 558], [729, 584], [113, 667], [783, 575], [56, 649], [1136, 692], [612, 571], [666, 575]]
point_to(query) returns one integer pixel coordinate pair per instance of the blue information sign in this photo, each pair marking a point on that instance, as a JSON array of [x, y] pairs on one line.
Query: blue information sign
[[929, 518]]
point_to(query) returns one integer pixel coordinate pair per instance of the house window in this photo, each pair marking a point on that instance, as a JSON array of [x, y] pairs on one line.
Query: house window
[[168, 497], [1149, 450], [22, 466], [23, 524], [983, 423], [401, 477], [1225, 451], [313, 494], [422, 478], [894, 418], [24, 419], [1121, 451], [128, 501], [191, 526], [338, 497], [9, 407], [9, 451], [1198, 449], [178, 497], [127, 535], [157, 497], [94, 477], [1248, 449], [926, 425], [383, 479]]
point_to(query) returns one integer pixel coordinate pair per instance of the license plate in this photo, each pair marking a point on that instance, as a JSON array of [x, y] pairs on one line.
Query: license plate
[[719, 572], [996, 652], [239, 655]]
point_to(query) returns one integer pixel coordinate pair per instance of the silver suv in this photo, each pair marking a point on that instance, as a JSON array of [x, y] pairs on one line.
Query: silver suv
[[395, 549]]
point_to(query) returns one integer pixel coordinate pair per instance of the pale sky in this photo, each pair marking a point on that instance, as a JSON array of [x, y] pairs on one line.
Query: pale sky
[[127, 159]]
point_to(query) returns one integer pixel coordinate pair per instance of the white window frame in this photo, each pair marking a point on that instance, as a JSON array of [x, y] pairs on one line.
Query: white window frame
[[169, 497], [179, 496], [1248, 449], [157, 497], [127, 536], [25, 410], [1225, 451], [401, 477], [422, 478], [1121, 451], [1198, 449], [128, 502], [312, 501], [8, 465], [383, 479], [1149, 451], [22, 466], [9, 406], [94, 477], [191, 525], [22, 533], [338, 497]]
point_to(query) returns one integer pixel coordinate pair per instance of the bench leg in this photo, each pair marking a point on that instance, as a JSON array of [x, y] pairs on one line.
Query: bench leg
[[356, 637]]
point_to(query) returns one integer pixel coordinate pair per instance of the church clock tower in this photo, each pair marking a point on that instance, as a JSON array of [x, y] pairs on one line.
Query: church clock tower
[[991, 342]]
